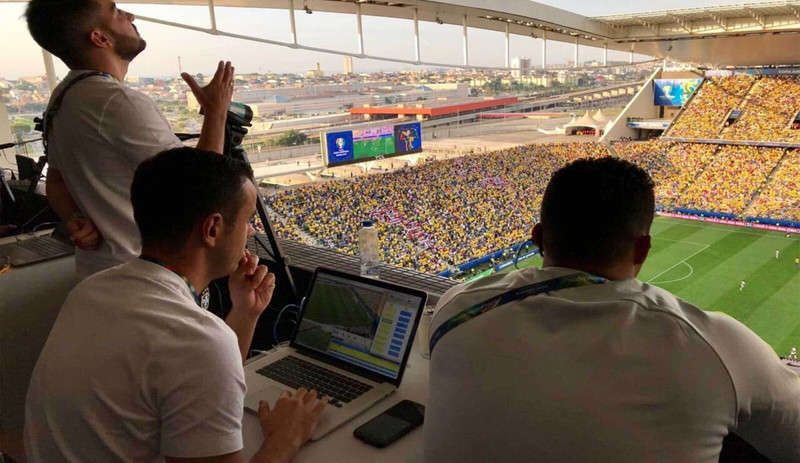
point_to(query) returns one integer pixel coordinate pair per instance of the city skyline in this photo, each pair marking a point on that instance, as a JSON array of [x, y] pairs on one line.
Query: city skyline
[[199, 52]]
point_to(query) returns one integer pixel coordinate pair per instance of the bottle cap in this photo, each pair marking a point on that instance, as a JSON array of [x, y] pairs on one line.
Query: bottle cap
[[366, 223]]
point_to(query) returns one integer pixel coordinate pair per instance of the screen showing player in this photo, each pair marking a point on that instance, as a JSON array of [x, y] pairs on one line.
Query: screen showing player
[[408, 138], [365, 325]]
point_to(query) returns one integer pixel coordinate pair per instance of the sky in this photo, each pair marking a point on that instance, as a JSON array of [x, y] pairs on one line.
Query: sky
[[199, 52]]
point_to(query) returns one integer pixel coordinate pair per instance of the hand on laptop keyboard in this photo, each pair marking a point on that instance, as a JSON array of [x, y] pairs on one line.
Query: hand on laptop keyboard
[[289, 425]]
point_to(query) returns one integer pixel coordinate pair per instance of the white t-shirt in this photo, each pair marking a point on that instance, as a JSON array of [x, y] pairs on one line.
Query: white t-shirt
[[616, 372], [134, 370], [101, 133]]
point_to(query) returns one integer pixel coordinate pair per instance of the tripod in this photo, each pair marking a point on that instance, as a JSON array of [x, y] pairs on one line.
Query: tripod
[[234, 134]]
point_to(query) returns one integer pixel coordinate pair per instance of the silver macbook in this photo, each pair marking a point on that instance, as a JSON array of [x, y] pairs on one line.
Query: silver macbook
[[38, 249], [351, 344]]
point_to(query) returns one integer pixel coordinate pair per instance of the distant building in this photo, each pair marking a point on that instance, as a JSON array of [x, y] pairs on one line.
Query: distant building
[[315, 73], [520, 66], [35, 80], [348, 64]]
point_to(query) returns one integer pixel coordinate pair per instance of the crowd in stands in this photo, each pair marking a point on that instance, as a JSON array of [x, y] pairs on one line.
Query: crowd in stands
[[705, 114], [442, 213], [768, 112], [780, 199], [731, 180], [436, 214], [673, 166]]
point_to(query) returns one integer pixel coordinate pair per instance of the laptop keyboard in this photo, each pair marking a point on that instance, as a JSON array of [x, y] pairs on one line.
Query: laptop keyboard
[[296, 373], [45, 246]]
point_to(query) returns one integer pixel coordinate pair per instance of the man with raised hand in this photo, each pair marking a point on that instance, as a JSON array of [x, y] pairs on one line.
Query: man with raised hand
[[99, 129], [134, 369]]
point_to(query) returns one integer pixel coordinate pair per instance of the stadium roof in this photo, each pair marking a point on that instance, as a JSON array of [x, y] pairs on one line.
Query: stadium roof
[[438, 108], [748, 34]]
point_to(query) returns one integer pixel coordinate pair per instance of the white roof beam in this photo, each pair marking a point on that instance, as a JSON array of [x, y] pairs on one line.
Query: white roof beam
[[758, 17], [651, 27], [721, 22], [687, 26]]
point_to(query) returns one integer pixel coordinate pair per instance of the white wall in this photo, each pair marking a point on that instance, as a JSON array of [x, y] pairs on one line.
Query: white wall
[[640, 106]]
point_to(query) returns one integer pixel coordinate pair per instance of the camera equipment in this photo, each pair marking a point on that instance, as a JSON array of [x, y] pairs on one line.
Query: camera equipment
[[239, 116]]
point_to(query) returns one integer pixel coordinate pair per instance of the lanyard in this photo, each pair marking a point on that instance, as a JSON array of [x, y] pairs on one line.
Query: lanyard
[[201, 299], [555, 284]]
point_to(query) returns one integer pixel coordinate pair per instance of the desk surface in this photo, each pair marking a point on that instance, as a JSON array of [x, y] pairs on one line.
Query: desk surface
[[340, 445]]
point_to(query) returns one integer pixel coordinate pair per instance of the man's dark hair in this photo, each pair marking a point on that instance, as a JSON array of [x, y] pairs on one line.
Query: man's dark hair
[[593, 209], [176, 189], [60, 26]]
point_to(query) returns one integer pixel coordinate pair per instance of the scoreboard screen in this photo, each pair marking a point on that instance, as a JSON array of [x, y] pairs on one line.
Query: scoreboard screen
[[359, 145]]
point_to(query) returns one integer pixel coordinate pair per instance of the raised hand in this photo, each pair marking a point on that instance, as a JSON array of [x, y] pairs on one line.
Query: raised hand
[[215, 97]]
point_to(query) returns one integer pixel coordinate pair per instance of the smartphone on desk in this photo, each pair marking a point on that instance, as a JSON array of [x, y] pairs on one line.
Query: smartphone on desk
[[392, 424]]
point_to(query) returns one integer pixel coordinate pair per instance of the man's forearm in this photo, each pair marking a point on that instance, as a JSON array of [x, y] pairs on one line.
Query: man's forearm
[[244, 327], [212, 135], [58, 196]]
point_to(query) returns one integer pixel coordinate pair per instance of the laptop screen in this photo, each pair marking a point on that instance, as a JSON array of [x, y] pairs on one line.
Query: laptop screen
[[366, 325]]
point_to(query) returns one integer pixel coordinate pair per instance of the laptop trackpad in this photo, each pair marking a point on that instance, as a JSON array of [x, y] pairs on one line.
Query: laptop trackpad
[[269, 394]]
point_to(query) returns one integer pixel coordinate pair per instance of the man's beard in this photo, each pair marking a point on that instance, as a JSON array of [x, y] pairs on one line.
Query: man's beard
[[128, 47]]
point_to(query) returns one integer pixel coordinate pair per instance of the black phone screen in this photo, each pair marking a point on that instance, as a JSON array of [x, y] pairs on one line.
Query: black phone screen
[[392, 424]]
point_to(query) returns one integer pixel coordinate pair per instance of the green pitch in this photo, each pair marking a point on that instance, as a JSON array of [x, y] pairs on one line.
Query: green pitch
[[336, 304], [374, 147], [705, 263]]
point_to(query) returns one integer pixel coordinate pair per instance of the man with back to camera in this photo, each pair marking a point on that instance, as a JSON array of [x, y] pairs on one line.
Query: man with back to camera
[[101, 129], [591, 364], [134, 369]]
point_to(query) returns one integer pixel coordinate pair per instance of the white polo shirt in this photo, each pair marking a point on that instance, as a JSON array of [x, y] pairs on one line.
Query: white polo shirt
[[617, 372], [101, 133], [134, 370]]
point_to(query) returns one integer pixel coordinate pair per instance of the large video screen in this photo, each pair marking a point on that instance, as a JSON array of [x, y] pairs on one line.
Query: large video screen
[[674, 92], [361, 145]]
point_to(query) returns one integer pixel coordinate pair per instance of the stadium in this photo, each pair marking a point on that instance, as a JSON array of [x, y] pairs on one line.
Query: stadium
[[705, 100]]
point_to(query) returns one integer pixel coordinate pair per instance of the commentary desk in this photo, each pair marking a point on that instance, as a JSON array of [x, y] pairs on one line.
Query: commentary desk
[[341, 446]]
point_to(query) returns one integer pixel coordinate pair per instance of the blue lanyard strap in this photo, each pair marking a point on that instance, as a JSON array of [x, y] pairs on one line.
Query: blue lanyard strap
[[201, 299], [555, 284]]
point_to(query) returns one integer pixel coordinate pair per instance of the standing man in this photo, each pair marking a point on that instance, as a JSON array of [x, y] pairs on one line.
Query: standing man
[[134, 370], [777, 253], [580, 361], [100, 130], [741, 285]]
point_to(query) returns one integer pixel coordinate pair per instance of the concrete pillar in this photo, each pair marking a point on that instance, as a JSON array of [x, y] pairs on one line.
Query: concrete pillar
[[466, 45], [416, 34], [544, 49], [508, 48], [576, 52], [49, 69]]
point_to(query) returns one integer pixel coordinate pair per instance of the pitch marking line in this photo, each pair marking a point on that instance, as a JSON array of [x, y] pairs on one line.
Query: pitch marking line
[[691, 271], [683, 261]]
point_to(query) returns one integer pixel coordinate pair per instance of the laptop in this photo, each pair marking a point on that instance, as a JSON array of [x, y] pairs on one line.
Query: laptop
[[39, 249], [352, 342]]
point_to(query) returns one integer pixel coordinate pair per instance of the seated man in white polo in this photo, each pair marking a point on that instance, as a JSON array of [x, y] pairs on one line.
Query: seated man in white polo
[[582, 362]]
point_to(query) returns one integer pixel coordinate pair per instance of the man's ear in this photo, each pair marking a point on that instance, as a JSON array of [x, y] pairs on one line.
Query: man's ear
[[536, 237], [211, 229], [100, 39], [641, 248]]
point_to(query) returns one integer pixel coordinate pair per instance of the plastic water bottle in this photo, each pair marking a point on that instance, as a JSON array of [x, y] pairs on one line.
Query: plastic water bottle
[[368, 249]]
